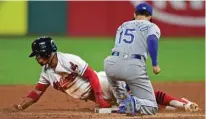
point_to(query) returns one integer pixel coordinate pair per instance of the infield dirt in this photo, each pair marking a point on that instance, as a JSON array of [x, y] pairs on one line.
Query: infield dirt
[[56, 105]]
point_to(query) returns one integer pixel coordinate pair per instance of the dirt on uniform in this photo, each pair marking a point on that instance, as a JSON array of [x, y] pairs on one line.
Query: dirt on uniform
[[56, 105]]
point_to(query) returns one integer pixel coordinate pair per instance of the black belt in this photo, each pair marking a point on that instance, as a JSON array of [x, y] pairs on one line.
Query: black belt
[[133, 56]]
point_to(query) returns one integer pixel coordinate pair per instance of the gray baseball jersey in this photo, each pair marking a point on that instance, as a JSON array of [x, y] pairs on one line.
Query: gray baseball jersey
[[131, 38]]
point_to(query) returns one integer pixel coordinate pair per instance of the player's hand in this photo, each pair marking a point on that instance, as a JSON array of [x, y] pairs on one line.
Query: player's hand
[[104, 104], [156, 69], [14, 108], [100, 100], [17, 108]]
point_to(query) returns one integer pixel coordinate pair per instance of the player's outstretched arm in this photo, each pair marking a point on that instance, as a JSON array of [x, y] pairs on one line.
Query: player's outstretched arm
[[31, 98], [96, 87]]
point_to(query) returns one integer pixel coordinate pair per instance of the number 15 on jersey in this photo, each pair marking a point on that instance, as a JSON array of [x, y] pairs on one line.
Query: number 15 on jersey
[[129, 34]]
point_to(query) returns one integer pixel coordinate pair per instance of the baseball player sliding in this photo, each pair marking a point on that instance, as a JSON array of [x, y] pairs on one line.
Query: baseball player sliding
[[70, 74]]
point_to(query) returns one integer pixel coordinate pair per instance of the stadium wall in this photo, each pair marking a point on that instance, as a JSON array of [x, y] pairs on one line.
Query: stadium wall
[[97, 18]]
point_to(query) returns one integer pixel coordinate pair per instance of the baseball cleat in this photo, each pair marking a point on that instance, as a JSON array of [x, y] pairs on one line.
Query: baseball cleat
[[128, 106], [190, 106], [122, 108]]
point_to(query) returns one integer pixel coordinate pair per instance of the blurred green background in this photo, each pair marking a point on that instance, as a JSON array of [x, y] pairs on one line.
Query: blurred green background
[[181, 46], [181, 59]]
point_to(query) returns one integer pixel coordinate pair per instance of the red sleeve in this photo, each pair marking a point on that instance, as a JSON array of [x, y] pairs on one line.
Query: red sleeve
[[94, 81], [39, 87]]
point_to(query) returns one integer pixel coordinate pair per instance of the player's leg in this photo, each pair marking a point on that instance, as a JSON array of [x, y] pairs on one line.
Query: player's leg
[[166, 108], [124, 71], [140, 86], [161, 106], [117, 89], [179, 103], [143, 95], [107, 88], [112, 71], [163, 98], [107, 91], [168, 102]]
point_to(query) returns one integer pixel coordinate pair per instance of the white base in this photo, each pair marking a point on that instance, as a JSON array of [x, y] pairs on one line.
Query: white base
[[103, 110], [113, 109]]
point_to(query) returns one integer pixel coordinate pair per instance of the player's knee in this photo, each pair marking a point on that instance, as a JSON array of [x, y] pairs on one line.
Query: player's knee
[[148, 110]]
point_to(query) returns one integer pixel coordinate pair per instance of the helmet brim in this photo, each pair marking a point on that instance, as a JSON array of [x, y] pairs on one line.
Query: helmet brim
[[32, 54]]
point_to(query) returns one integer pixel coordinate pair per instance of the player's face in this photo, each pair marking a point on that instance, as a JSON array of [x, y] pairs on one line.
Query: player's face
[[41, 60]]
